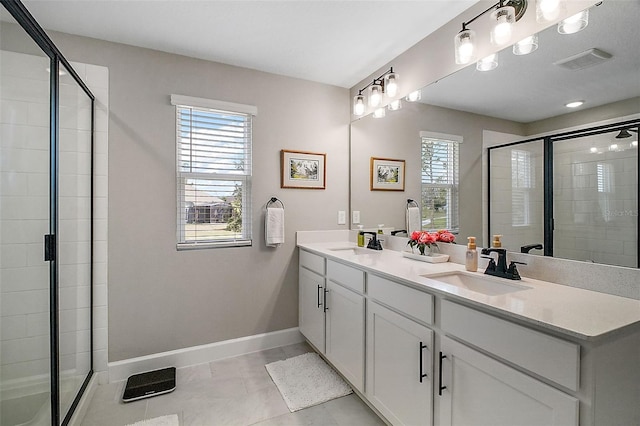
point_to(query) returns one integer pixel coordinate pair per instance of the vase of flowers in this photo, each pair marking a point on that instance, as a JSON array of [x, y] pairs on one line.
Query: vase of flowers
[[427, 245]]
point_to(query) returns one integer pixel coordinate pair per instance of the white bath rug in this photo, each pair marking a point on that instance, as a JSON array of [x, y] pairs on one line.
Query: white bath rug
[[306, 380], [170, 420]]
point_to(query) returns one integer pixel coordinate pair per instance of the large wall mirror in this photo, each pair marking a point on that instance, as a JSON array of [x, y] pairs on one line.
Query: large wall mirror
[[523, 98]]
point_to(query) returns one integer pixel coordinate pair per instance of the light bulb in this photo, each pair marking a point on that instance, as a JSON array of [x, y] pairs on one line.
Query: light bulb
[[501, 31], [391, 84], [488, 63], [379, 113], [375, 95], [395, 105], [465, 49], [574, 104], [547, 10], [358, 105], [526, 45], [414, 96], [574, 23]]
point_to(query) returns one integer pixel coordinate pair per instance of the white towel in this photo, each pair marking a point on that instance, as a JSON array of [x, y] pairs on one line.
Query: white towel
[[413, 219], [274, 226]]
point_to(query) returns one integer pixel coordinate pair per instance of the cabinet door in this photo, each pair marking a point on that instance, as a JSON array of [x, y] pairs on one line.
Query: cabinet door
[[478, 390], [345, 333], [311, 307], [399, 367]]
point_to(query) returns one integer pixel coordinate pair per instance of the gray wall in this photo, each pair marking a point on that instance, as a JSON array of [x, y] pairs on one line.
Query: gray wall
[[161, 299], [398, 136]]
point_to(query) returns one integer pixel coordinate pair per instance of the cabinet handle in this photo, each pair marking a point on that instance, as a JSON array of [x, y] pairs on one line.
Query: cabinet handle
[[422, 375], [319, 299], [325, 300], [440, 387]]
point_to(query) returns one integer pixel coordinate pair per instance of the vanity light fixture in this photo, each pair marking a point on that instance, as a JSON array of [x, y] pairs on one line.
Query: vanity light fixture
[[574, 104], [488, 63], [526, 45], [503, 14], [386, 84], [575, 23], [395, 105], [414, 96], [547, 10], [379, 113]]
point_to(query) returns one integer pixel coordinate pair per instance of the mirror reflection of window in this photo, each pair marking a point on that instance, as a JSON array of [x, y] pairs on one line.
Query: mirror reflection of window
[[603, 177], [522, 182], [440, 181]]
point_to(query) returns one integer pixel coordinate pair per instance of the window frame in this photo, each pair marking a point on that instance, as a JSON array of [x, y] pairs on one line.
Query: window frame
[[208, 105]]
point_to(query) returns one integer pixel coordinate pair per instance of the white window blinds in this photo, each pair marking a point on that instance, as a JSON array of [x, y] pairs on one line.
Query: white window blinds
[[213, 177], [440, 183], [522, 181]]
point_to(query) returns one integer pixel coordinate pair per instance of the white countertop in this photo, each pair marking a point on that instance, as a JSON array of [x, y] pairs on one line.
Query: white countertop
[[584, 314]]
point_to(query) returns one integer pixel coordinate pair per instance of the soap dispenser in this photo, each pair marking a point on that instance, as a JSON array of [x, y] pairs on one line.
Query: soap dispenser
[[471, 258], [360, 236], [496, 241]]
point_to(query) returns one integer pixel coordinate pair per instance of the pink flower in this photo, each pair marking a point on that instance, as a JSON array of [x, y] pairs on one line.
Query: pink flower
[[446, 237], [415, 235]]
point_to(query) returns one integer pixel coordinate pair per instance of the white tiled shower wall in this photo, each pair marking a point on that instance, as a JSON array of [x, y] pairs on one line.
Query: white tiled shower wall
[[24, 200]]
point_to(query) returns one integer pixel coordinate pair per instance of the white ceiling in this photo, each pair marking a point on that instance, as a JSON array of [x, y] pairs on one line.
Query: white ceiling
[[332, 42]]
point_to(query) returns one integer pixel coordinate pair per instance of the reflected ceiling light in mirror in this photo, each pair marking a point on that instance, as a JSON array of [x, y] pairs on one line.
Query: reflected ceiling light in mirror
[[358, 105], [614, 147], [526, 45], [379, 113], [503, 19], [487, 64], [575, 23], [395, 105], [634, 144], [414, 96], [593, 150], [464, 44], [574, 104], [547, 10]]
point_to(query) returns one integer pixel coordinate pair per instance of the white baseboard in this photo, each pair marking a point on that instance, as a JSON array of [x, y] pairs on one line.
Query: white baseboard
[[121, 370]]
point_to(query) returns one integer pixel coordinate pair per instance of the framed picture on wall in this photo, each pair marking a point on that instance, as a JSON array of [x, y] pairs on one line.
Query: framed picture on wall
[[300, 169], [387, 174]]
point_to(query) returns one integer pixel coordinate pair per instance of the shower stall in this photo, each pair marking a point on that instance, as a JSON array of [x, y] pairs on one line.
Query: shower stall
[[46, 217], [575, 193]]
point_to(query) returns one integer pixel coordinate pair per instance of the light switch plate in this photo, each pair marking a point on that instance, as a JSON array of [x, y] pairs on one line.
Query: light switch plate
[[355, 216], [342, 217]]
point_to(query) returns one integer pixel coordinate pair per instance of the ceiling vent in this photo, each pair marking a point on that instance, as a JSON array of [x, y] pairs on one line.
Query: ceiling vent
[[583, 60]]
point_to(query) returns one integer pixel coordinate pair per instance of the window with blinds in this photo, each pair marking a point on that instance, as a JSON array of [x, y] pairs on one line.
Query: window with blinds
[[522, 182], [213, 176], [440, 183]]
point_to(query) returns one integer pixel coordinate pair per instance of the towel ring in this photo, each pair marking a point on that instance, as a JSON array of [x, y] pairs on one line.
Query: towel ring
[[274, 200], [411, 203]]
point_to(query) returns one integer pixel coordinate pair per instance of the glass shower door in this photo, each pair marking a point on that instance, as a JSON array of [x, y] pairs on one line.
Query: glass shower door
[[25, 361], [74, 240]]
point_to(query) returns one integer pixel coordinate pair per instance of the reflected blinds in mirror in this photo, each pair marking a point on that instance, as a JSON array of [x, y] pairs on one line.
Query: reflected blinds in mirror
[[440, 181]]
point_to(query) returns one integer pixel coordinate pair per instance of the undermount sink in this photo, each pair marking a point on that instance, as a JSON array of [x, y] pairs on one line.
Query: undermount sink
[[353, 250], [480, 284]]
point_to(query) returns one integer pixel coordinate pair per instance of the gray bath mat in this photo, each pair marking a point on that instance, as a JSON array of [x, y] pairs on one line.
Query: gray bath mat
[[306, 380]]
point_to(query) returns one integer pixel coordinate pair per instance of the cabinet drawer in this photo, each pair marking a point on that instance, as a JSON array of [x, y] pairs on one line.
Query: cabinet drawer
[[312, 262], [404, 299], [548, 356], [346, 275]]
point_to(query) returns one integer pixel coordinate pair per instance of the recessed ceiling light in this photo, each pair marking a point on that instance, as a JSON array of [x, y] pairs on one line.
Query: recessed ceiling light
[[574, 104]]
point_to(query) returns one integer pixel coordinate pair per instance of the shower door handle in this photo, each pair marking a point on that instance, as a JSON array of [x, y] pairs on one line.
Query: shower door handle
[[49, 247]]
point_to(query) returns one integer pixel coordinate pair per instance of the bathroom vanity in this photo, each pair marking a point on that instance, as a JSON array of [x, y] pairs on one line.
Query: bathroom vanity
[[433, 344]]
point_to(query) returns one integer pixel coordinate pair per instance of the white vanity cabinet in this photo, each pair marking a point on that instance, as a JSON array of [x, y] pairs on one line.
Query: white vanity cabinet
[[311, 283], [474, 389], [344, 301]]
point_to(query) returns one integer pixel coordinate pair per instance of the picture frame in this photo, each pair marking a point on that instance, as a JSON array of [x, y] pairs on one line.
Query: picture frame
[[387, 174], [302, 170]]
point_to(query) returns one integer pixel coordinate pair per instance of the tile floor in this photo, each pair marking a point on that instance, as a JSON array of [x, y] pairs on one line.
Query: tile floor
[[233, 391]]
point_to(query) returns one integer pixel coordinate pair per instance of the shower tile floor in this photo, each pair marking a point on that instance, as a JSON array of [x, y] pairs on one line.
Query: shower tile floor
[[232, 391]]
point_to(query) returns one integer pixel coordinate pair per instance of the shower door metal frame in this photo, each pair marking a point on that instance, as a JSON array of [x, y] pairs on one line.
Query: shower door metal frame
[[39, 36], [548, 223]]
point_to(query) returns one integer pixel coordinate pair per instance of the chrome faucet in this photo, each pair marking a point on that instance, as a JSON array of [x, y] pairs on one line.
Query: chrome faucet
[[374, 242], [500, 269]]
